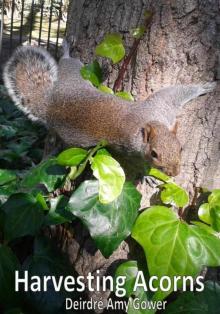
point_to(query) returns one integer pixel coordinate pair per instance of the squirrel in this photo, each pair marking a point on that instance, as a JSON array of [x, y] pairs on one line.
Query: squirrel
[[57, 95]]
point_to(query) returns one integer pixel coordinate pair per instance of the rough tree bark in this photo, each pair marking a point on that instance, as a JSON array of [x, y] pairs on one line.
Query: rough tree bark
[[182, 45]]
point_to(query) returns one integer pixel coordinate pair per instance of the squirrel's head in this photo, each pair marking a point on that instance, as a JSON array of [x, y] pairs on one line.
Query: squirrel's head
[[162, 148]]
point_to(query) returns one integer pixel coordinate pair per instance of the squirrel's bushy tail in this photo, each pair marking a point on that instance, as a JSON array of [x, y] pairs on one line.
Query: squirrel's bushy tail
[[29, 76]]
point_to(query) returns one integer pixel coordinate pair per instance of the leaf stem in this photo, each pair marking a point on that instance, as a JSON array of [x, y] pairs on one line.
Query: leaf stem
[[92, 151], [131, 54]]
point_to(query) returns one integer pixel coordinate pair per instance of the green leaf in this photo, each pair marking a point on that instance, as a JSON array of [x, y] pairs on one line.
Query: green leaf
[[48, 261], [106, 89], [214, 209], [204, 226], [48, 173], [215, 216], [108, 224], [92, 72], [125, 95], [103, 151], [130, 270], [110, 175], [214, 198], [6, 176], [172, 247], [138, 32], [153, 172], [14, 311], [7, 190], [174, 195], [41, 200], [205, 302], [204, 213], [58, 213], [2, 219], [72, 157], [8, 265], [24, 216], [111, 47], [7, 131]]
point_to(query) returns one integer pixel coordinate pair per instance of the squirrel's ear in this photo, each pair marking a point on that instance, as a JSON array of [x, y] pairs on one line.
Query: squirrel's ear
[[148, 132], [174, 128]]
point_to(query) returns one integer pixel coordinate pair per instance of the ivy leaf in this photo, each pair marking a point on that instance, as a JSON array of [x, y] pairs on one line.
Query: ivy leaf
[[204, 213], [24, 216], [7, 190], [204, 226], [214, 198], [205, 302], [106, 89], [72, 157], [8, 265], [110, 175], [125, 95], [41, 200], [14, 311], [153, 172], [138, 32], [174, 195], [48, 173], [48, 261], [130, 270], [210, 212], [7, 131], [108, 224], [215, 216], [111, 47], [103, 151], [6, 176], [214, 209], [92, 72], [172, 247], [58, 213]]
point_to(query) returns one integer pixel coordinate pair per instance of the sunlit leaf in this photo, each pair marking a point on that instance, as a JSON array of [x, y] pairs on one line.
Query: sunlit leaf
[[110, 175], [205, 227], [172, 247], [106, 89], [103, 151], [125, 95], [158, 175], [111, 47], [174, 195], [72, 157], [204, 213]]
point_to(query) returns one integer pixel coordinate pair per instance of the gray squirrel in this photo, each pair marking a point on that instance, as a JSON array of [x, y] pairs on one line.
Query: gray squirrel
[[82, 115]]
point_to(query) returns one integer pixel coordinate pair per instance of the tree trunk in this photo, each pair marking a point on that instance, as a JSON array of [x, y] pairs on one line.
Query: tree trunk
[[182, 45]]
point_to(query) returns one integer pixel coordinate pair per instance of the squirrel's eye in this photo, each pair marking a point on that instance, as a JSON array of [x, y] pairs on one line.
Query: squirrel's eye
[[153, 154]]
